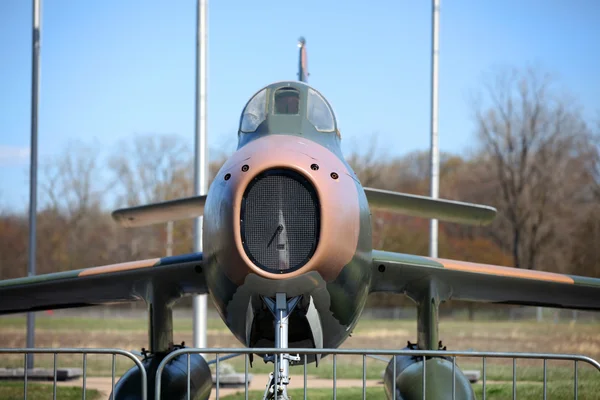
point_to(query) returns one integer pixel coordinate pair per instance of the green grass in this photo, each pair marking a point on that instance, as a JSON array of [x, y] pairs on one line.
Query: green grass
[[350, 367], [39, 391], [97, 364], [527, 390], [497, 391], [315, 394]]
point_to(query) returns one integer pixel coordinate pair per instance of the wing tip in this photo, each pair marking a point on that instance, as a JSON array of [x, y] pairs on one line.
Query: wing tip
[[119, 217]]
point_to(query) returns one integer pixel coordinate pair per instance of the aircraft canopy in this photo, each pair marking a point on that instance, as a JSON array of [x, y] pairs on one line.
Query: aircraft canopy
[[319, 113], [288, 100], [255, 112]]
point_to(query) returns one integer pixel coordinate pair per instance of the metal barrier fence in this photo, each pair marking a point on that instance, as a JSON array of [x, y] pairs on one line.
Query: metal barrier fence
[[84, 353], [334, 353], [222, 354]]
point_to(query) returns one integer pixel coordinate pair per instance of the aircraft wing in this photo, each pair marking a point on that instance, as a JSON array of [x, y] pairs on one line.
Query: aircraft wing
[[407, 204], [398, 273], [101, 285], [173, 210], [428, 207]]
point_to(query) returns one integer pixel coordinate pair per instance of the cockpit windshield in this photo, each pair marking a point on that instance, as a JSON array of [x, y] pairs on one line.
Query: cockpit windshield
[[255, 112], [287, 101], [319, 113]]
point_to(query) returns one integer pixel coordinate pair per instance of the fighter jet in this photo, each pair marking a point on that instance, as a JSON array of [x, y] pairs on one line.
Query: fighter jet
[[288, 260]]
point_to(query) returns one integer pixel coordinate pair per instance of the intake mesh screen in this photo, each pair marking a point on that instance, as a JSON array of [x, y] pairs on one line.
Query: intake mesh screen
[[280, 221]]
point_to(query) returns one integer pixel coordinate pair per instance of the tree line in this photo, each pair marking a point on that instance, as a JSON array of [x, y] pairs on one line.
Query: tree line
[[536, 160]]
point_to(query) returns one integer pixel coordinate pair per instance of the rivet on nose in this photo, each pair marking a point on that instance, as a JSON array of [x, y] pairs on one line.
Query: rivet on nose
[[227, 176], [245, 168], [334, 175], [314, 167]]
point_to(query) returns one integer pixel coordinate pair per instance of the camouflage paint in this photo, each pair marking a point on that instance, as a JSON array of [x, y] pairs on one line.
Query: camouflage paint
[[505, 271], [405, 273], [128, 266], [338, 198], [104, 284], [336, 278]]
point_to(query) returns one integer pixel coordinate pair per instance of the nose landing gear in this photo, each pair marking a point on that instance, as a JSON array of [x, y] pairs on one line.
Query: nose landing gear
[[281, 308]]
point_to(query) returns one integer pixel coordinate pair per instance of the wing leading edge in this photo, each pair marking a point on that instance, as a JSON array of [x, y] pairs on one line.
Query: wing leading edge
[[428, 207], [172, 210], [395, 272], [179, 275]]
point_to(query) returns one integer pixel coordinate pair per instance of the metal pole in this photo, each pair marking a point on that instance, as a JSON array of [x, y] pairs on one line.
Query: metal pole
[[169, 238], [200, 158], [434, 151], [35, 77]]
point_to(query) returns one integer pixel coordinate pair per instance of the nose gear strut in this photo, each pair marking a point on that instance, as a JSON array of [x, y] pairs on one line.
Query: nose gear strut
[[281, 308]]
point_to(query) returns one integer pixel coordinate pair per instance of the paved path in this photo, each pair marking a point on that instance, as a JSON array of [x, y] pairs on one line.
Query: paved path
[[103, 385], [298, 383]]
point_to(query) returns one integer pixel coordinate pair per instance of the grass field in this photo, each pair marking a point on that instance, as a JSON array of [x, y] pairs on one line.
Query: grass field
[[528, 336], [37, 391], [498, 391]]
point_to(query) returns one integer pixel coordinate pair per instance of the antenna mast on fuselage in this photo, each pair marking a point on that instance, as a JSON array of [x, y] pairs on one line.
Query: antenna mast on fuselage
[[302, 61]]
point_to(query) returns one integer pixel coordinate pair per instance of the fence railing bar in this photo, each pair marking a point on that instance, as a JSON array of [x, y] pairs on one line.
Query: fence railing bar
[[246, 376], [218, 373], [334, 376], [364, 377], [54, 375], [189, 356], [483, 373], [424, 377], [514, 380], [411, 353], [305, 375], [394, 377], [276, 375], [310, 351], [576, 379], [453, 378], [113, 373], [25, 376], [84, 374], [545, 378]]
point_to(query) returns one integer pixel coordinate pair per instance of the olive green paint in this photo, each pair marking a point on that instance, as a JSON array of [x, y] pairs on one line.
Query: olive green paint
[[57, 276]]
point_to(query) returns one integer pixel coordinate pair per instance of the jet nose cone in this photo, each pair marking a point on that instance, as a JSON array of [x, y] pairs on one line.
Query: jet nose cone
[[293, 208]]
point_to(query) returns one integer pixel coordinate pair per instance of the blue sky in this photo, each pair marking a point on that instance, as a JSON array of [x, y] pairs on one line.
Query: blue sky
[[111, 69]]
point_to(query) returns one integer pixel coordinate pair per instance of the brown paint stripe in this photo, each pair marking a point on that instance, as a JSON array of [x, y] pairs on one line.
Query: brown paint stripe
[[503, 271], [107, 269]]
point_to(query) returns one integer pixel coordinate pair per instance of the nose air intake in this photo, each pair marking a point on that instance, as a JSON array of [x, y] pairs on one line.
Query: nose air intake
[[280, 221]]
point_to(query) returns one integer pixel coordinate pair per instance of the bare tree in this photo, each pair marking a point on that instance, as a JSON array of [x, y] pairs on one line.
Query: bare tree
[[146, 168], [152, 168], [585, 256], [71, 182], [73, 230], [13, 245], [533, 142]]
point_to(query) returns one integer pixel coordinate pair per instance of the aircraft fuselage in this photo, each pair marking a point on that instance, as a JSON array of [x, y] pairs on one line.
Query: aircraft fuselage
[[286, 214]]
